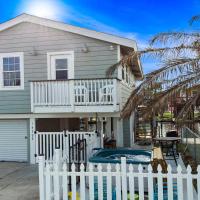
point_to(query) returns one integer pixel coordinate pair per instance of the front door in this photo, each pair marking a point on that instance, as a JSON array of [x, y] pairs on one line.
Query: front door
[[61, 66]]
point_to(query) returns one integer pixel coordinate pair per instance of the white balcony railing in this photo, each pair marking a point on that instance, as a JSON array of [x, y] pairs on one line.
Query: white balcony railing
[[73, 93]]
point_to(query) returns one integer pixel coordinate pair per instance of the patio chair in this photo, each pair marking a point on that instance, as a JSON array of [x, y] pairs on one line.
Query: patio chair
[[106, 94], [173, 133], [81, 94], [109, 143]]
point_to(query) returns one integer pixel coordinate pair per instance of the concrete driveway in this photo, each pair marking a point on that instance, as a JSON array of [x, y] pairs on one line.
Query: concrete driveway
[[18, 181]]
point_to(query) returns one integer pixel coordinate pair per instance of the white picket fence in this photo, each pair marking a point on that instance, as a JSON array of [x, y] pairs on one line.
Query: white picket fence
[[47, 142], [122, 181]]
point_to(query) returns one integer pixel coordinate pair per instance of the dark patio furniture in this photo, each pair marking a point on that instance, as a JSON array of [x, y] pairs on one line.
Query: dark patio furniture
[[168, 143], [172, 133], [109, 143]]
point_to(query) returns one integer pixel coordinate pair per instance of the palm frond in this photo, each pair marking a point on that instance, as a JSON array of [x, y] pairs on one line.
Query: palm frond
[[112, 68], [138, 98], [132, 58], [175, 65], [194, 19], [174, 37], [186, 108]]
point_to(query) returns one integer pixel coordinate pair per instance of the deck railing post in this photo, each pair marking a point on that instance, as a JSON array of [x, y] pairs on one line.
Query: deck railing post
[[67, 152], [115, 94], [32, 97], [72, 94], [41, 178], [124, 178]]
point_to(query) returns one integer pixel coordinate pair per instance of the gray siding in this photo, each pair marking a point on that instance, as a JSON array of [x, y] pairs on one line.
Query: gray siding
[[26, 36], [126, 132], [125, 93]]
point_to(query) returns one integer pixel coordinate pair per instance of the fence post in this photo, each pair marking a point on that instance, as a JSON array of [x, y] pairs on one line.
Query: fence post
[[189, 183], [169, 182], [141, 182], [124, 177], [41, 178], [150, 182], [198, 181], [160, 182], [33, 146], [180, 182], [57, 158], [66, 134]]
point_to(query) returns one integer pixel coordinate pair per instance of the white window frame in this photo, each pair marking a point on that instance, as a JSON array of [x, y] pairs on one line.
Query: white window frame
[[13, 54], [70, 67], [131, 79]]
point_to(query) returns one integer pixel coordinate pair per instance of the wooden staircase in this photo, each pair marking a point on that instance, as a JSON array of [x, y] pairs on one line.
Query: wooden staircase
[[142, 127]]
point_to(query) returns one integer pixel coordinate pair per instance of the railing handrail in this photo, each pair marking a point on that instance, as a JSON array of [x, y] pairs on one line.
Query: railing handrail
[[78, 79], [192, 132]]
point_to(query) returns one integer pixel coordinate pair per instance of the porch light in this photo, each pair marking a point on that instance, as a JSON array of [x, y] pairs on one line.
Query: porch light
[[112, 48], [34, 52], [85, 49]]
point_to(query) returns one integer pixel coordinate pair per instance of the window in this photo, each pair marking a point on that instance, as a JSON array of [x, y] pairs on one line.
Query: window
[[127, 76], [61, 69], [123, 73], [60, 65], [11, 69]]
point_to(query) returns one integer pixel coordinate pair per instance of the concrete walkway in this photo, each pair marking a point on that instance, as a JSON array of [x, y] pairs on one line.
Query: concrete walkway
[[18, 181]]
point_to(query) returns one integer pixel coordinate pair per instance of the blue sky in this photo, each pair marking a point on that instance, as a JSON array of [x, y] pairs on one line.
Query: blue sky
[[137, 20]]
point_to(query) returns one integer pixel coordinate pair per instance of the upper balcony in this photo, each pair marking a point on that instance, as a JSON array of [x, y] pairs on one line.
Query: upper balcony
[[80, 95]]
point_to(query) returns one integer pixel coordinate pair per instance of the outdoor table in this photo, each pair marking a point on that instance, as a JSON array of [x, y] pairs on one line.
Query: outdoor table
[[168, 143]]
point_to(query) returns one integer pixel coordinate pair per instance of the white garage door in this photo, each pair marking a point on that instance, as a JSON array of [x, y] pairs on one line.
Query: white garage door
[[13, 140]]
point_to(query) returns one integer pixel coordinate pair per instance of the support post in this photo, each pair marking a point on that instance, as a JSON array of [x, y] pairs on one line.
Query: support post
[[32, 128], [32, 96], [118, 131], [41, 178], [102, 145]]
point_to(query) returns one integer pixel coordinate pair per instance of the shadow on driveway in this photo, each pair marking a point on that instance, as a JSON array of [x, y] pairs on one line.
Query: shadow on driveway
[[18, 181]]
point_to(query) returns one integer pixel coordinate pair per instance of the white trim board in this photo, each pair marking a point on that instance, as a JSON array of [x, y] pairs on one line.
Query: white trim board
[[57, 115], [13, 54], [69, 28], [67, 53]]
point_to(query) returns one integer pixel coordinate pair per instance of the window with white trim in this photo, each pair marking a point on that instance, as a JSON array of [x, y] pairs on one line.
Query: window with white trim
[[11, 71], [61, 69], [127, 76]]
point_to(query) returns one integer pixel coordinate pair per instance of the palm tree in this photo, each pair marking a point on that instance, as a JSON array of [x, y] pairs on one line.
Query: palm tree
[[179, 56]]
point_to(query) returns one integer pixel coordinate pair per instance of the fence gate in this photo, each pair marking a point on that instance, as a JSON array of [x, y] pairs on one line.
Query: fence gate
[[47, 142], [75, 147]]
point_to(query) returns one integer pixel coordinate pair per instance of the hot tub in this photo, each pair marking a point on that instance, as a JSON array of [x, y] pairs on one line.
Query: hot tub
[[113, 156]]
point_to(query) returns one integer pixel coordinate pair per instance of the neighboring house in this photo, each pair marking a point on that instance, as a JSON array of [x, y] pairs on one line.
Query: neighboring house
[[53, 77]]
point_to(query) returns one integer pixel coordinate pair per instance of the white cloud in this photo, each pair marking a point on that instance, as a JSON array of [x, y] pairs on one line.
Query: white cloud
[[43, 8], [59, 11]]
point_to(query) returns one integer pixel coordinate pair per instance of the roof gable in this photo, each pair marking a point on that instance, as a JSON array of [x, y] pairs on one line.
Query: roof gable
[[69, 28]]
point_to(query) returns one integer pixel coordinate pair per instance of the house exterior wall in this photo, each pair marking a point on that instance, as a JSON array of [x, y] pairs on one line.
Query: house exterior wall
[[35, 41], [125, 93], [126, 132], [26, 37]]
